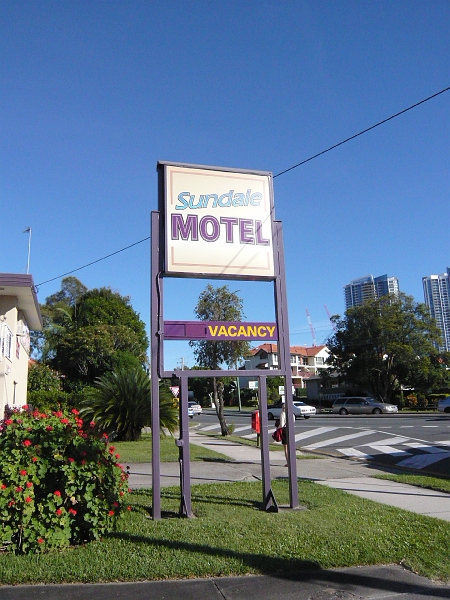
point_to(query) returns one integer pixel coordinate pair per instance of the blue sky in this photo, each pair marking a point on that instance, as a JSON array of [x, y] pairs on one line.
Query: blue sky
[[94, 93]]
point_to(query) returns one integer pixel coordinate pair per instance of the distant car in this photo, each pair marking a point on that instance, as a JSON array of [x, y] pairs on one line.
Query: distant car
[[300, 409], [190, 412], [444, 405], [195, 407], [359, 405]]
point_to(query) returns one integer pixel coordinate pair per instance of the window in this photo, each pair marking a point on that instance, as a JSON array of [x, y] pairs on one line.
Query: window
[[6, 338]]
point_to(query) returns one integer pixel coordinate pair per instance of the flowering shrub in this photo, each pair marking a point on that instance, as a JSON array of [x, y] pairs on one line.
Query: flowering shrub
[[59, 484]]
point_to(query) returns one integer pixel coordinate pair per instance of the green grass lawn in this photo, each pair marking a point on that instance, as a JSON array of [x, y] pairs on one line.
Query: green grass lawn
[[141, 451], [438, 484], [232, 536]]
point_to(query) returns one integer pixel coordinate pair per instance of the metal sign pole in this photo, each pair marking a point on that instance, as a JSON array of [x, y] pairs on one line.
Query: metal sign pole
[[155, 332], [269, 502], [183, 447], [285, 359]]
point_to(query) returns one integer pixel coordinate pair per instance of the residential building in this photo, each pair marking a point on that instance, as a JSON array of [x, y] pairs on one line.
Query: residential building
[[306, 361], [369, 288], [19, 313], [436, 290]]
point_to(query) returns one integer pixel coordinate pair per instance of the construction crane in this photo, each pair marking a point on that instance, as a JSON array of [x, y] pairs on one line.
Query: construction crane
[[329, 316], [313, 333]]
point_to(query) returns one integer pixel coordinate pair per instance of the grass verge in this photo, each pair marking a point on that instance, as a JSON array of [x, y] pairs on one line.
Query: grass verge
[[438, 484], [141, 451], [232, 536]]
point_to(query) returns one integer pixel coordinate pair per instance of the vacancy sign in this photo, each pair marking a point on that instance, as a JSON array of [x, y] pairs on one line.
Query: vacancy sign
[[218, 223]]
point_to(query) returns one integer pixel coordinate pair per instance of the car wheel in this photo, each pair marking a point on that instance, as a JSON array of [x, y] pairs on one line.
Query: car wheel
[[447, 409], [270, 416], [306, 416], [343, 411], [377, 411]]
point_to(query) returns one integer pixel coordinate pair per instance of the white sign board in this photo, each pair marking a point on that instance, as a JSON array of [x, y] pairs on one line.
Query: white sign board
[[218, 223]]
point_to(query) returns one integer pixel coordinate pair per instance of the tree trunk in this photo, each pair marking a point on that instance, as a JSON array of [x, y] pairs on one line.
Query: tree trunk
[[218, 403]]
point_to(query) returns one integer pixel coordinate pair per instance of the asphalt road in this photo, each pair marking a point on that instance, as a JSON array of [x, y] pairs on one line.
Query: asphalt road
[[417, 442]]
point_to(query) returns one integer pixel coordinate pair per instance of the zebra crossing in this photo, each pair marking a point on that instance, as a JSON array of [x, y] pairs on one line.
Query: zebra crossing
[[366, 444]]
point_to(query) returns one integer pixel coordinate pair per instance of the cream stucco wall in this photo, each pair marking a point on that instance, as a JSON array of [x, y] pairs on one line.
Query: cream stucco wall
[[16, 310]]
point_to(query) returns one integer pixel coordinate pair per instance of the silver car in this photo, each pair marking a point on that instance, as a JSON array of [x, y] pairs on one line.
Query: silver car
[[358, 405], [444, 405]]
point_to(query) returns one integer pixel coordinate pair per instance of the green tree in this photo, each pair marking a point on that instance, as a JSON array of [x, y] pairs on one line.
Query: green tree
[[385, 344], [219, 304], [88, 333], [121, 402]]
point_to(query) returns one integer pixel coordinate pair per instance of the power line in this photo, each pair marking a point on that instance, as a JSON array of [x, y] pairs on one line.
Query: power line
[[277, 175], [361, 132], [95, 261]]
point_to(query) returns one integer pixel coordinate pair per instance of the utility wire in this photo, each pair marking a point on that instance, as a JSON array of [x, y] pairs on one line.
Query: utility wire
[[95, 261], [361, 132], [277, 175]]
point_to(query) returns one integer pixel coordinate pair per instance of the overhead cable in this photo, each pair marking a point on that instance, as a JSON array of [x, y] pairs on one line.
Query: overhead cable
[[277, 175]]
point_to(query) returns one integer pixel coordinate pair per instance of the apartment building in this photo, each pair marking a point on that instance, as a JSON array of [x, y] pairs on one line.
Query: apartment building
[[306, 361], [436, 290], [369, 288]]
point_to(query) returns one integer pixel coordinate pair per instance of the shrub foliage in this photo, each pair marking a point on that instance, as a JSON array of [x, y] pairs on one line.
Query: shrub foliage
[[59, 483]]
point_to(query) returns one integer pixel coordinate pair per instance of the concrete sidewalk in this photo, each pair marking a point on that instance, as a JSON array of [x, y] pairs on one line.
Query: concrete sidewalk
[[349, 475]]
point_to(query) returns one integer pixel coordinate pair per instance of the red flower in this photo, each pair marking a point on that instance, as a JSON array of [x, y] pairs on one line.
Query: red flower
[[34, 459], [70, 459], [27, 443], [58, 413], [28, 499], [59, 512], [64, 421], [129, 508], [3, 486], [19, 489], [49, 428], [72, 511], [25, 407], [121, 493], [8, 422], [11, 503], [75, 411], [40, 541], [57, 493], [29, 484], [117, 455], [111, 513], [23, 472], [115, 504], [92, 424]]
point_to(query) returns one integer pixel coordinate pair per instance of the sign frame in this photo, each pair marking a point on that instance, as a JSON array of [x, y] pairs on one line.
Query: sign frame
[[159, 270]]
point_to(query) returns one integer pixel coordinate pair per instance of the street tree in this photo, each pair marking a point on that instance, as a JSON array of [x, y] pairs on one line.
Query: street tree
[[219, 304], [385, 345], [90, 332]]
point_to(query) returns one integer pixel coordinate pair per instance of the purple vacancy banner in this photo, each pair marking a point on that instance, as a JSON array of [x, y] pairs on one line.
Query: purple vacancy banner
[[219, 330]]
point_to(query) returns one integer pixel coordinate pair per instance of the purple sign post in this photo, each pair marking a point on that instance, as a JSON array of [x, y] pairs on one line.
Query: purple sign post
[[215, 222]]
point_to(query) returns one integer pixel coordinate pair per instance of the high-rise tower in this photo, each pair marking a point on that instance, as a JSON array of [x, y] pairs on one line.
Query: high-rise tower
[[368, 288], [436, 291]]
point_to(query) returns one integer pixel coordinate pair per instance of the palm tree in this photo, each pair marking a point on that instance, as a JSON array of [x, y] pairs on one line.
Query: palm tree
[[121, 402]]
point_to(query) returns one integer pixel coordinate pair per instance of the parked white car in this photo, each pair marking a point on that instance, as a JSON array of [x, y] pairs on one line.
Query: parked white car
[[444, 405], [300, 409], [195, 407]]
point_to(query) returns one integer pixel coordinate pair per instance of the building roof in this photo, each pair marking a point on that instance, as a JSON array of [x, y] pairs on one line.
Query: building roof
[[301, 350], [22, 287]]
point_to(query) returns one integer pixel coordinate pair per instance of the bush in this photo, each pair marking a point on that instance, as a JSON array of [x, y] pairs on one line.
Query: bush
[[59, 484]]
